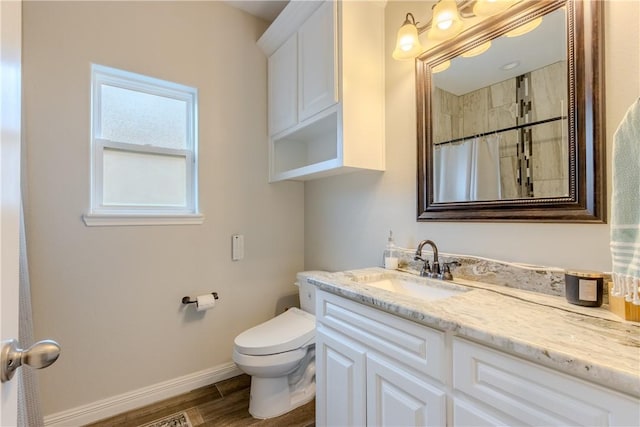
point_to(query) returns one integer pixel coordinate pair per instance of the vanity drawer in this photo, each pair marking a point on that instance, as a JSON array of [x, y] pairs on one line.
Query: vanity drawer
[[534, 395], [414, 345]]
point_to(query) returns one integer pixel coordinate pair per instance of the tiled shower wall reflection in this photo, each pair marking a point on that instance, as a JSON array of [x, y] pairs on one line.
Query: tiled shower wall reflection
[[495, 107]]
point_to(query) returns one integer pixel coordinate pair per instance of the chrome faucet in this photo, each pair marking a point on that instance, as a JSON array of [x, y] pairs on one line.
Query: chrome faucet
[[426, 271]]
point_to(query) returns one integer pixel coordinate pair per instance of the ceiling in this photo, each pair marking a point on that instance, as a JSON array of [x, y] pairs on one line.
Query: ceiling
[[265, 9], [468, 74], [537, 49]]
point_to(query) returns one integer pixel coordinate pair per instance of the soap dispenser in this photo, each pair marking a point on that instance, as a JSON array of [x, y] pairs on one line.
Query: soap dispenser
[[390, 254]]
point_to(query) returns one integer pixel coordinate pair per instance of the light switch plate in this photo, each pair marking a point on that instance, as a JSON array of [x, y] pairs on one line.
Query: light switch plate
[[237, 247]]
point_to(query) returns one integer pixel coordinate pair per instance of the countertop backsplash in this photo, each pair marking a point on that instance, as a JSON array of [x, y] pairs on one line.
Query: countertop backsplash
[[546, 280]]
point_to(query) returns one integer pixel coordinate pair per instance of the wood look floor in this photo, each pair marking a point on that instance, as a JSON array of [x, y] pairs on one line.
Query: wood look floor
[[224, 404]]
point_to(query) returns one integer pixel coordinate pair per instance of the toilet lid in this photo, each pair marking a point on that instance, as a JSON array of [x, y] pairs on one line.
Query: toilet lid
[[288, 331]]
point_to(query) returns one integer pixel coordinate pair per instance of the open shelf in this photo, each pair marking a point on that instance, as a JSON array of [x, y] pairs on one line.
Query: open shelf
[[309, 149]]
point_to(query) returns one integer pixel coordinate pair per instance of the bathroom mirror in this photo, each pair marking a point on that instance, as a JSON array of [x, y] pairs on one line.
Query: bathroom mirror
[[510, 121]]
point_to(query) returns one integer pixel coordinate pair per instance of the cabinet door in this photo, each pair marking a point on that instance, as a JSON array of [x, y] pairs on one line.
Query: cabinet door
[[396, 397], [316, 53], [283, 86], [340, 380]]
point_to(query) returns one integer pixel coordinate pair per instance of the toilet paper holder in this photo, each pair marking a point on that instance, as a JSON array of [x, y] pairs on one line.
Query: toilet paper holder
[[188, 300]]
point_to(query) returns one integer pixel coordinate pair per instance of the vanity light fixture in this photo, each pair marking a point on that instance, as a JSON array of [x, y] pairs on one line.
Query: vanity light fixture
[[475, 51], [408, 45], [446, 23], [524, 29]]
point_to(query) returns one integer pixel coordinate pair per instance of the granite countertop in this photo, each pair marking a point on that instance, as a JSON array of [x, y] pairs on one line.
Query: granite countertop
[[586, 342]]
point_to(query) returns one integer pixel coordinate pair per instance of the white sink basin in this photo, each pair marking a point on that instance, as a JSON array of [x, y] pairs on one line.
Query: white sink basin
[[418, 287]]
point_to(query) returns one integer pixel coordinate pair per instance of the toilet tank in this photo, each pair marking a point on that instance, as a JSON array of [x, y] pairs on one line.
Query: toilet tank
[[307, 291]]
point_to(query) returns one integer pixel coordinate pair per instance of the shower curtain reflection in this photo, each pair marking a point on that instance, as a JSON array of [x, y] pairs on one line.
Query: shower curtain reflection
[[467, 171], [452, 170]]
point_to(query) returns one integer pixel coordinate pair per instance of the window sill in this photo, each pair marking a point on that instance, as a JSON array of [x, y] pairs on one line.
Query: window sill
[[121, 219]]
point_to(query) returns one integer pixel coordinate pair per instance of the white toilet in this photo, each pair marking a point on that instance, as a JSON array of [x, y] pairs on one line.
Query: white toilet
[[279, 354]]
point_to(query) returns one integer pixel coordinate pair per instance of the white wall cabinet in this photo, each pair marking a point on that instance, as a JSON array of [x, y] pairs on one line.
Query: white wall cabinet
[[334, 122], [282, 69], [375, 369], [317, 61]]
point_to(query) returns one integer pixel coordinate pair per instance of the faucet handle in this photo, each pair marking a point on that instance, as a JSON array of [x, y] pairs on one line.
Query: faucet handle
[[426, 268], [446, 274]]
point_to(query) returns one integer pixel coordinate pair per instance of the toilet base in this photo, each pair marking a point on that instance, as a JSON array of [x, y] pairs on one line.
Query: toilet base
[[272, 397]]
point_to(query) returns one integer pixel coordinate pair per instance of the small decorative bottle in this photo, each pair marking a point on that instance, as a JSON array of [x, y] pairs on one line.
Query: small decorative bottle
[[390, 254]]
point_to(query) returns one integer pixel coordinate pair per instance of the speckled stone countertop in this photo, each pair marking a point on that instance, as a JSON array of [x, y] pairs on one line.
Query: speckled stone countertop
[[589, 343]]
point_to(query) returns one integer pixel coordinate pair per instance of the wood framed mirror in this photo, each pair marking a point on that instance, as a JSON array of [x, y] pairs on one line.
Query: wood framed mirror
[[515, 133]]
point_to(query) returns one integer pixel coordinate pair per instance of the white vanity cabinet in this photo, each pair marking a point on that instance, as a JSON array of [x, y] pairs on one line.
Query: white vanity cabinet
[[492, 388], [376, 369], [325, 88], [341, 390]]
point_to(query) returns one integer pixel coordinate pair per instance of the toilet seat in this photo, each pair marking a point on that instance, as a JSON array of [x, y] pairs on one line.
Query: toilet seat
[[282, 363], [289, 331]]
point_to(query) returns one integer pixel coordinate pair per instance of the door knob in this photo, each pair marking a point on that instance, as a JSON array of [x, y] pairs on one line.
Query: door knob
[[38, 356]]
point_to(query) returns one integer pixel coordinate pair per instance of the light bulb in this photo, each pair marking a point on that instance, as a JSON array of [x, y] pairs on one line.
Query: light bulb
[[446, 22], [407, 45], [445, 25]]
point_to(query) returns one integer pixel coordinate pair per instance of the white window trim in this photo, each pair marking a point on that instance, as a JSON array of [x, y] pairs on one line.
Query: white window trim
[[101, 215], [122, 219]]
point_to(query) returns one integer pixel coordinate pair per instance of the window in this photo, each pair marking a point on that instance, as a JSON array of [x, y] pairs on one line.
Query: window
[[143, 150]]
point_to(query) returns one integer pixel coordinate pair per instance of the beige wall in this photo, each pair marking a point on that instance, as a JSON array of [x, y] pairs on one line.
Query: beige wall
[[347, 218], [111, 295]]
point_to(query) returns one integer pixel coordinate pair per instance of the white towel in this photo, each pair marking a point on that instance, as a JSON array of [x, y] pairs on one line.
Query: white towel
[[625, 206]]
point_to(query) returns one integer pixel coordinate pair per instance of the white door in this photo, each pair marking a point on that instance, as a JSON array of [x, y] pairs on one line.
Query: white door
[[10, 92]]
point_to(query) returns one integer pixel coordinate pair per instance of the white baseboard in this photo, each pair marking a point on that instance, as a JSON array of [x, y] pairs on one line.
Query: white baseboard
[[115, 405]]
